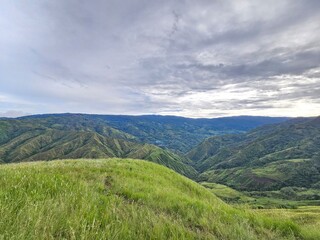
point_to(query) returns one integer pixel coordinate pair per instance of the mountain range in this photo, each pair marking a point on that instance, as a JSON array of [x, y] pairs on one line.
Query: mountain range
[[267, 158], [172, 132], [75, 136], [245, 153]]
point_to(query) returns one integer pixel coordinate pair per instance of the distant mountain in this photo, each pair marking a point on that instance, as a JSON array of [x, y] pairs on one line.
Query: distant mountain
[[76, 136], [60, 136], [269, 157], [176, 133]]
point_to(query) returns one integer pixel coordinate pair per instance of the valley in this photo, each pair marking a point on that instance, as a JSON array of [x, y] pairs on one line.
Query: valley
[[266, 174], [160, 120]]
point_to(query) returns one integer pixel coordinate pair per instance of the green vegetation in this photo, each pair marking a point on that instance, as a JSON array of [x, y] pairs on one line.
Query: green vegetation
[[171, 132], [287, 197], [268, 158], [210, 147], [78, 137], [276, 166], [124, 199], [226, 193], [272, 176], [308, 217]]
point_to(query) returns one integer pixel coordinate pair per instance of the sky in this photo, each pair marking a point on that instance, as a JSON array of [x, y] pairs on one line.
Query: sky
[[199, 58]]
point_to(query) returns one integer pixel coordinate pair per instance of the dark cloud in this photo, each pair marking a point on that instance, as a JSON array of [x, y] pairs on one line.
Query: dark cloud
[[192, 58]]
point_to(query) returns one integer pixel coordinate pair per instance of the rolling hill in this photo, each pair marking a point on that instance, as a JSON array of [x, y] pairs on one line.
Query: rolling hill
[[77, 137], [123, 199], [175, 133], [267, 158]]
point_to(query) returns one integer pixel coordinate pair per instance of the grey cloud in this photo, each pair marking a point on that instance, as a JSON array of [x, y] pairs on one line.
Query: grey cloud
[[152, 56], [288, 62]]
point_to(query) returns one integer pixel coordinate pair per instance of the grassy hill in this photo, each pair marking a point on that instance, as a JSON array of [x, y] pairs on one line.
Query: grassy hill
[[78, 137], [226, 193], [271, 176], [124, 199], [175, 133], [285, 198], [267, 158]]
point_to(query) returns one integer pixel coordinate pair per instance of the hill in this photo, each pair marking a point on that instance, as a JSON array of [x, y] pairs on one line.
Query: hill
[[77, 137], [175, 133], [123, 199], [268, 158]]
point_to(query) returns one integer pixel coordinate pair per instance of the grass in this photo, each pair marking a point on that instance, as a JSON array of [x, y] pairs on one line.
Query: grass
[[271, 176], [278, 199], [265, 199], [226, 193], [123, 199], [306, 216]]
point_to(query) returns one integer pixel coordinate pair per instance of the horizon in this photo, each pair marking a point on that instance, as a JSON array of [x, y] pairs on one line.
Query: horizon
[[18, 114], [157, 115], [202, 59]]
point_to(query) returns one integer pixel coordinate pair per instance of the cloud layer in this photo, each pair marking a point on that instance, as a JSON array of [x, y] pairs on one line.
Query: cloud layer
[[191, 58]]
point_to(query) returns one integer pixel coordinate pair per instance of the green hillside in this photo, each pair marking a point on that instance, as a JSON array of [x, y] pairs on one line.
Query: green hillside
[[267, 158], [285, 198], [276, 175], [204, 153], [78, 137], [123, 199], [10, 128], [171, 132], [226, 193]]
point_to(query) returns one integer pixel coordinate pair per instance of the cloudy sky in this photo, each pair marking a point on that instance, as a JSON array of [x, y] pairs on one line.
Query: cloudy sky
[[199, 58]]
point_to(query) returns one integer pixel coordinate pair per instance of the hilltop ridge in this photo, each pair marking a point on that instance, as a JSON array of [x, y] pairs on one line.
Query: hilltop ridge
[[121, 199]]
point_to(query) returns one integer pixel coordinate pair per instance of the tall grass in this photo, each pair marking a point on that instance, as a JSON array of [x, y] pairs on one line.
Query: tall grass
[[120, 199]]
